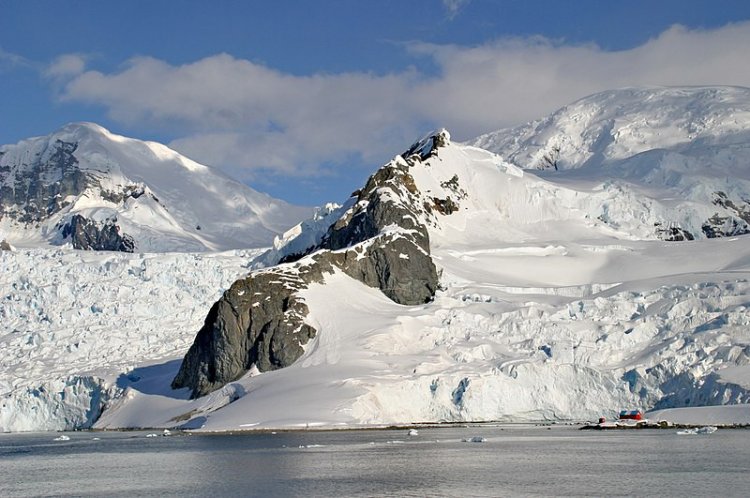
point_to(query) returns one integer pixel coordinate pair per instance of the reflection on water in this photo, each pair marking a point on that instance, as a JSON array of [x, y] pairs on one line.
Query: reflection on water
[[512, 461]]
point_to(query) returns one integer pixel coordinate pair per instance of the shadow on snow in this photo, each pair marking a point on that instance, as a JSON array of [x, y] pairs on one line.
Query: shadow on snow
[[154, 380]]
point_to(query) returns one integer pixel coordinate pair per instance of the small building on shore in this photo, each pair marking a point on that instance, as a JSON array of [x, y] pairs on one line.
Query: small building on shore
[[631, 415]]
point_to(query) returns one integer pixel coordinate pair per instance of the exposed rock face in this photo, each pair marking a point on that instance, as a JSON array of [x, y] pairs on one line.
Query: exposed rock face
[[736, 220], [397, 258], [4, 246], [258, 321], [379, 241], [672, 233], [39, 190], [90, 235]]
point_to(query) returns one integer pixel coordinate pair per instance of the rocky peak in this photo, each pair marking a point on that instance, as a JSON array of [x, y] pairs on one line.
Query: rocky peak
[[39, 185], [428, 146], [380, 239], [47, 177]]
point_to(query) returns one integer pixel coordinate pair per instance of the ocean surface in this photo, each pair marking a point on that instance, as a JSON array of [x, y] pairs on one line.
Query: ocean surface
[[511, 461]]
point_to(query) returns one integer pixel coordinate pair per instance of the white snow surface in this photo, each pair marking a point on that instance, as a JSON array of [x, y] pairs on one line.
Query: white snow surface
[[547, 311], [187, 206], [704, 415]]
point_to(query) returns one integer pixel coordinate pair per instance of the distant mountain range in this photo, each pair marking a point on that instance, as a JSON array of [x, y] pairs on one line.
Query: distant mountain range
[[96, 190], [592, 261]]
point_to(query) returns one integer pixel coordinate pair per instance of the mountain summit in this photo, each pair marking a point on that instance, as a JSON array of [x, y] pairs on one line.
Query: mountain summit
[[97, 190]]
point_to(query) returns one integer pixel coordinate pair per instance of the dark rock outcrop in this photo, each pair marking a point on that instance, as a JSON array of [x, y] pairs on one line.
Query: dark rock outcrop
[[258, 321], [379, 241], [40, 189], [4, 246], [397, 256], [735, 221], [672, 233], [90, 235]]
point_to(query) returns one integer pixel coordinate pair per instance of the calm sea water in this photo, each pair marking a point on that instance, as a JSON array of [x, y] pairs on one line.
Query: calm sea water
[[513, 461]]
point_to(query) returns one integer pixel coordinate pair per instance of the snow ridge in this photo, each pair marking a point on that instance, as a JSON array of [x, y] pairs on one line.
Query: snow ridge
[[681, 152]]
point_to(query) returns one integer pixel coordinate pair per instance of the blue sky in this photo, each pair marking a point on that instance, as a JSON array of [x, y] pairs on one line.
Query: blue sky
[[303, 99]]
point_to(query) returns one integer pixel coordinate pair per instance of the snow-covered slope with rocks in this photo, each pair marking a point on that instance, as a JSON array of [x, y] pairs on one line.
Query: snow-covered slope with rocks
[[559, 298], [686, 147], [97, 190]]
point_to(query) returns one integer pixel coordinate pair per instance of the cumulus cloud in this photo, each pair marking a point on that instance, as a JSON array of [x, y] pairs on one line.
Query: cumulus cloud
[[245, 114], [236, 112], [66, 66], [515, 80]]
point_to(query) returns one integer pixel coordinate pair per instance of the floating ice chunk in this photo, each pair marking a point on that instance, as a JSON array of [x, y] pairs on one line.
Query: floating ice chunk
[[709, 429], [62, 437], [166, 432], [698, 430], [475, 439], [413, 432], [152, 435]]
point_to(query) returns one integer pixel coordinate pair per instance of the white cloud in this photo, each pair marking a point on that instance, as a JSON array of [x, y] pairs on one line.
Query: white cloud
[[66, 66], [9, 60], [242, 114], [512, 81]]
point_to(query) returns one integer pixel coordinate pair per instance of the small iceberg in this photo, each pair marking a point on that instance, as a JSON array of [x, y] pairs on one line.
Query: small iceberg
[[166, 432], [475, 439], [152, 435], [413, 432], [709, 429], [62, 437]]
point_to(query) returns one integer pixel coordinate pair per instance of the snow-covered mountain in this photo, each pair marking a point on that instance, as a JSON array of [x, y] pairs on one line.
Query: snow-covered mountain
[[687, 147], [96, 190], [456, 285]]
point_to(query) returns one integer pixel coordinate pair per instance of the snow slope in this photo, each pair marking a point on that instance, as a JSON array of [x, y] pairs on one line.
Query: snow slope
[[162, 199], [704, 415], [558, 301]]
